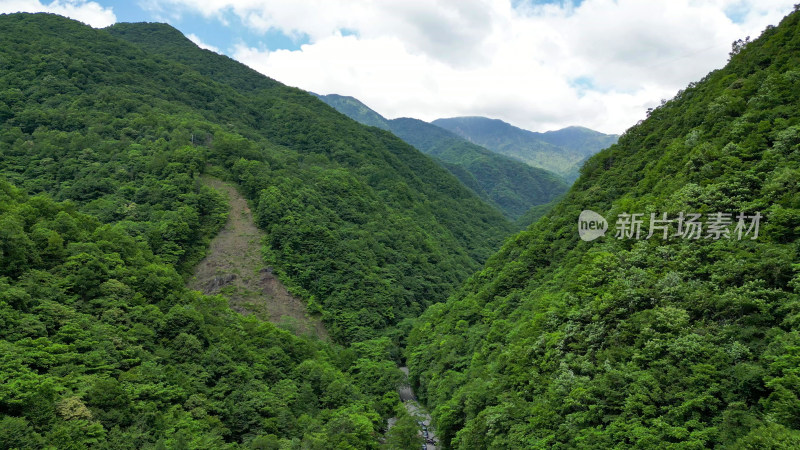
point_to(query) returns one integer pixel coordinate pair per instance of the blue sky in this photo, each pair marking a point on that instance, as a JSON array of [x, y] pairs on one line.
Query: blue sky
[[539, 65], [222, 31]]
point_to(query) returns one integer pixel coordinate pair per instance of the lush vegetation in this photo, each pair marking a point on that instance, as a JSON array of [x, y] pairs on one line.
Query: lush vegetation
[[363, 226], [103, 347], [511, 186], [103, 136], [536, 213], [556, 343], [561, 151], [617, 343]]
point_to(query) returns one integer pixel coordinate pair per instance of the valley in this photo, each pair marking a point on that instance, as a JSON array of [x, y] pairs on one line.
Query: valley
[[511, 185], [194, 255]]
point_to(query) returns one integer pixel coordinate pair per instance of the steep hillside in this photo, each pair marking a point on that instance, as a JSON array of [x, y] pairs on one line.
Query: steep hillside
[[164, 40], [364, 227], [104, 216], [511, 186], [562, 151], [630, 342]]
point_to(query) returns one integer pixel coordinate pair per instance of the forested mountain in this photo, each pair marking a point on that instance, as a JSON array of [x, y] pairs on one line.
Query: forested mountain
[[561, 151], [511, 186], [354, 109], [103, 137], [383, 230], [636, 342]]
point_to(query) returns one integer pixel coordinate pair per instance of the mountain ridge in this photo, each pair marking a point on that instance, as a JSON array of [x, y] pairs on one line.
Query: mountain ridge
[[560, 151], [355, 109], [511, 186]]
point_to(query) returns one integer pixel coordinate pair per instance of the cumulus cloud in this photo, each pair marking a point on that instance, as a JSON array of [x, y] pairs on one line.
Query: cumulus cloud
[[198, 42], [600, 63], [90, 13], [449, 30]]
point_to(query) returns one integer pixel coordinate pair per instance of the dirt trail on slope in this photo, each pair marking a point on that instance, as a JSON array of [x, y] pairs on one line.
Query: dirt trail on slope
[[234, 268]]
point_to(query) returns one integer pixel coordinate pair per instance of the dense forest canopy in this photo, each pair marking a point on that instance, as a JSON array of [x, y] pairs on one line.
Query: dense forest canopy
[[103, 137], [383, 230], [365, 201], [556, 343], [644, 343]]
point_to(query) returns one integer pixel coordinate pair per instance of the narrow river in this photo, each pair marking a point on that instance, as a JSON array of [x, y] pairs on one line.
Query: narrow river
[[418, 411]]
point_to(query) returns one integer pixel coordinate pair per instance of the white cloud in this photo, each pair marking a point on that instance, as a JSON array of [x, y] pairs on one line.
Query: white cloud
[[194, 38], [90, 13], [600, 64]]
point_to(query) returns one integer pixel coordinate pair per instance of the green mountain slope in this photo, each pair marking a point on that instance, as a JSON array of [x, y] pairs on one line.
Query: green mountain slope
[[363, 198], [648, 343], [579, 139], [561, 151], [355, 110], [164, 40], [102, 144], [511, 186], [384, 231]]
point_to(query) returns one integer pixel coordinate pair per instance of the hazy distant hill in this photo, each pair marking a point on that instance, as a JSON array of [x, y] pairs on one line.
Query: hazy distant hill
[[511, 185], [561, 151], [354, 109], [515, 187]]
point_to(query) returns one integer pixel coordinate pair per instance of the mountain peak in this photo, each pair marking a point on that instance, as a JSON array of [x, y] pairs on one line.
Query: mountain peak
[[164, 39], [560, 151], [353, 108], [144, 32]]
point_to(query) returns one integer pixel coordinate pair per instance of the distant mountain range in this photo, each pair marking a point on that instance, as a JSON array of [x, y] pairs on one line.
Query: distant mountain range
[[509, 184], [506, 183], [561, 151]]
